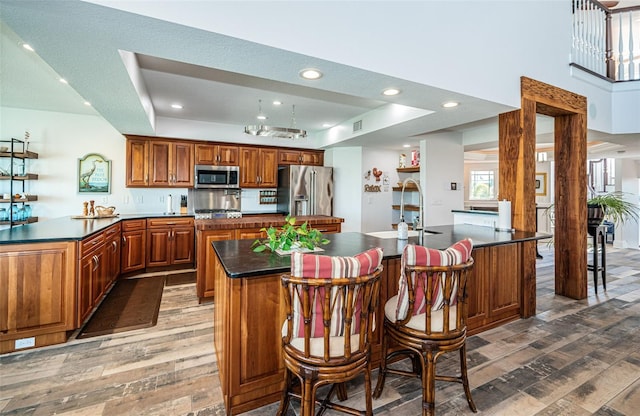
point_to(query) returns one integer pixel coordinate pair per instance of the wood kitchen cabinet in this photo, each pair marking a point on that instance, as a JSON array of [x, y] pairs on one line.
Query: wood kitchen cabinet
[[170, 241], [37, 299], [300, 157], [258, 167], [98, 268], [206, 257], [134, 245], [217, 154], [159, 163]]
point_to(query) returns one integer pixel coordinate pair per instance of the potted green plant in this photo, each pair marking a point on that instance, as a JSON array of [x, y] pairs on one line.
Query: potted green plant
[[290, 237], [611, 206]]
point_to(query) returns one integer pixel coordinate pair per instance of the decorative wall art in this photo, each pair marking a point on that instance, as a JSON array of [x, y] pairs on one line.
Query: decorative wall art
[[94, 174], [541, 183]]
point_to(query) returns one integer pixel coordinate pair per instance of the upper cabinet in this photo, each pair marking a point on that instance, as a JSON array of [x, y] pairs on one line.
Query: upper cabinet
[[300, 157], [258, 167], [217, 154], [159, 163]]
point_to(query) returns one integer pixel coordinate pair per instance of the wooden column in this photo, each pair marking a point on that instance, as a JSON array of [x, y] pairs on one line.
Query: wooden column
[[571, 206], [517, 164]]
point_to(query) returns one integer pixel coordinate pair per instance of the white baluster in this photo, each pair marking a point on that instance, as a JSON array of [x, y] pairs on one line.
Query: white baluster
[[620, 49]]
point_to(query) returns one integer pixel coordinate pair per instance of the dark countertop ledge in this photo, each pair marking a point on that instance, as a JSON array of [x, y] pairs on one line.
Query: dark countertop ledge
[[240, 261], [67, 228]]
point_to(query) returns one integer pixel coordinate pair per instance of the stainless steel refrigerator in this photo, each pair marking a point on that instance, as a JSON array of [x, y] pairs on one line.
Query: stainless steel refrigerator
[[305, 190]]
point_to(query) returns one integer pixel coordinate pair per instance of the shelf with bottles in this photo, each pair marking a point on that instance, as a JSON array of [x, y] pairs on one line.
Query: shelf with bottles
[[13, 178], [268, 197]]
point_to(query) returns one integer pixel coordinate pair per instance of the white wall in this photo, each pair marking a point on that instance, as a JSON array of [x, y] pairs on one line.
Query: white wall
[[348, 182], [442, 161], [376, 206], [627, 235]]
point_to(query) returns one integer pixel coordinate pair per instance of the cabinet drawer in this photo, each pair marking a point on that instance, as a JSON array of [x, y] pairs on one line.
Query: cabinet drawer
[[132, 225], [90, 243], [111, 231], [169, 222], [328, 228]]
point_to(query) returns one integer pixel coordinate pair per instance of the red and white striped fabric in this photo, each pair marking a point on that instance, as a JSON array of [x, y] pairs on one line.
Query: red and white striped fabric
[[328, 267], [413, 255]]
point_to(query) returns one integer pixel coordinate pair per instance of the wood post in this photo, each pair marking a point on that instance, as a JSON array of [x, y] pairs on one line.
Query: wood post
[[517, 147]]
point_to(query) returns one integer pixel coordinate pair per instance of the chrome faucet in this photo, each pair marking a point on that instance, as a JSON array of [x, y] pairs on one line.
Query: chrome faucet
[[418, 225]]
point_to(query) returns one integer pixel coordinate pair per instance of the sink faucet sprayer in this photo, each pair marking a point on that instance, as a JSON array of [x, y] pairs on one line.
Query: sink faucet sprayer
[[420, 219]]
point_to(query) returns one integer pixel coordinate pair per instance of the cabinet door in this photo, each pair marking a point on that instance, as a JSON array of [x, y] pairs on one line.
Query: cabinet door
[[205, 279], [268, 168], [249, 167], [134, 247], [86, 278], [159, 163], [182, 165], [314, 158], [137, 162], [158, 247], [205, 154], [228, 155], [113, 253], [37, 289], [182, 244], [288, 157]]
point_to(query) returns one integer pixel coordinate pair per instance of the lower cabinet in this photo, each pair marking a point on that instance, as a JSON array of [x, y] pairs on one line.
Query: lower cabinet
[[170, 241], [98, 268], [37, 296], [206, 257], [205, 277], [133, 246]]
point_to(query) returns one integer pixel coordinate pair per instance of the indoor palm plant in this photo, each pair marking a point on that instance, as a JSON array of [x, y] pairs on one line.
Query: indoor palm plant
[[290, 237], [611, 206]]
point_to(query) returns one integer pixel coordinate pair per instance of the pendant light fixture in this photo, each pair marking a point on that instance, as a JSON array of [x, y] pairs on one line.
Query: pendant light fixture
[[271, 131]]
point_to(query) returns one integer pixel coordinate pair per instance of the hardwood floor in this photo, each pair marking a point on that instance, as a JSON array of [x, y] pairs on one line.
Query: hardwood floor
[[572, 358]]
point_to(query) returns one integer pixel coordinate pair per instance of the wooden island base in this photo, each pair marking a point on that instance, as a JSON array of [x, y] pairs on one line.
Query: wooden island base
[[249, 313]]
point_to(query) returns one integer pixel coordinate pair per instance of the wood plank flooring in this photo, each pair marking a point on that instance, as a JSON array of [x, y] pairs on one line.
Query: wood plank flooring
[[572, 358]]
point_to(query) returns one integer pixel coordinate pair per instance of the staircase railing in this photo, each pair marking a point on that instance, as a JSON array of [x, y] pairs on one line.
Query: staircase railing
[[606, 42]]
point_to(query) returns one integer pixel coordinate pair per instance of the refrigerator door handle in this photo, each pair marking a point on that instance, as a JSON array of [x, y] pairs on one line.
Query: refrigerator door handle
[[312, 194]]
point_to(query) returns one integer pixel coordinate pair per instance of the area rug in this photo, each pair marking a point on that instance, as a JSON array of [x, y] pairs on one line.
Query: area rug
[[131, 304]]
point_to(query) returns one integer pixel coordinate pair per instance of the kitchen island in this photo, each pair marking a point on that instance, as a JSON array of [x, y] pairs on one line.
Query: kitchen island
[[249, 309]]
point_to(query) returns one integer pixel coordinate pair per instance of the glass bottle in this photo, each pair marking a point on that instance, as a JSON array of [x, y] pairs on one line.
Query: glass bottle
[[3, 214], [27, 212]]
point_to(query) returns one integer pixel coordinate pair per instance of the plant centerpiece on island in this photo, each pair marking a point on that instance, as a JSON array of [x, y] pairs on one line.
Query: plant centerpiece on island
[[290, 237]]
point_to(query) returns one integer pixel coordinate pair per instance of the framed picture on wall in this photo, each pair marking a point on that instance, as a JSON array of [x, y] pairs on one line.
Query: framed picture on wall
[[541, 183], [94, 174]]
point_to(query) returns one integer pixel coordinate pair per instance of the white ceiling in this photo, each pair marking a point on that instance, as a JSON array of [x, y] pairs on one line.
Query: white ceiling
[[219, 84]]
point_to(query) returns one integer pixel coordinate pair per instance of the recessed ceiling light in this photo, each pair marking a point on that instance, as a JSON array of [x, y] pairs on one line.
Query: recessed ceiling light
[[261, 117], [310, 73], [87, 103], [450, 104], [27, 47], [406, 145], [64, 81], [391, 91], [177, 106], [327, 124], [277, 102]]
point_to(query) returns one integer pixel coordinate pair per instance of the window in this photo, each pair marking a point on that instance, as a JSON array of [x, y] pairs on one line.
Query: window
[[482, 184]]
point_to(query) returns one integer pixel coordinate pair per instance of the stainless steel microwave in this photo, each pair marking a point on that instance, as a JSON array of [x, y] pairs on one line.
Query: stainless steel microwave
[[208, 177]]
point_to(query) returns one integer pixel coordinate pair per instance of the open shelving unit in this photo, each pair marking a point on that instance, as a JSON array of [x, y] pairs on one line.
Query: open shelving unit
[[13, 180], [411, 203]]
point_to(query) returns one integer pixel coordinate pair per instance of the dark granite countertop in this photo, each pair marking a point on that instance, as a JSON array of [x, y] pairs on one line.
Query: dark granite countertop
[[240, 261], [67, 228]]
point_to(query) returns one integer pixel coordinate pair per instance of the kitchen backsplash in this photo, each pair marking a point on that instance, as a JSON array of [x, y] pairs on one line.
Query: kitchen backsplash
[[250, 201]]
